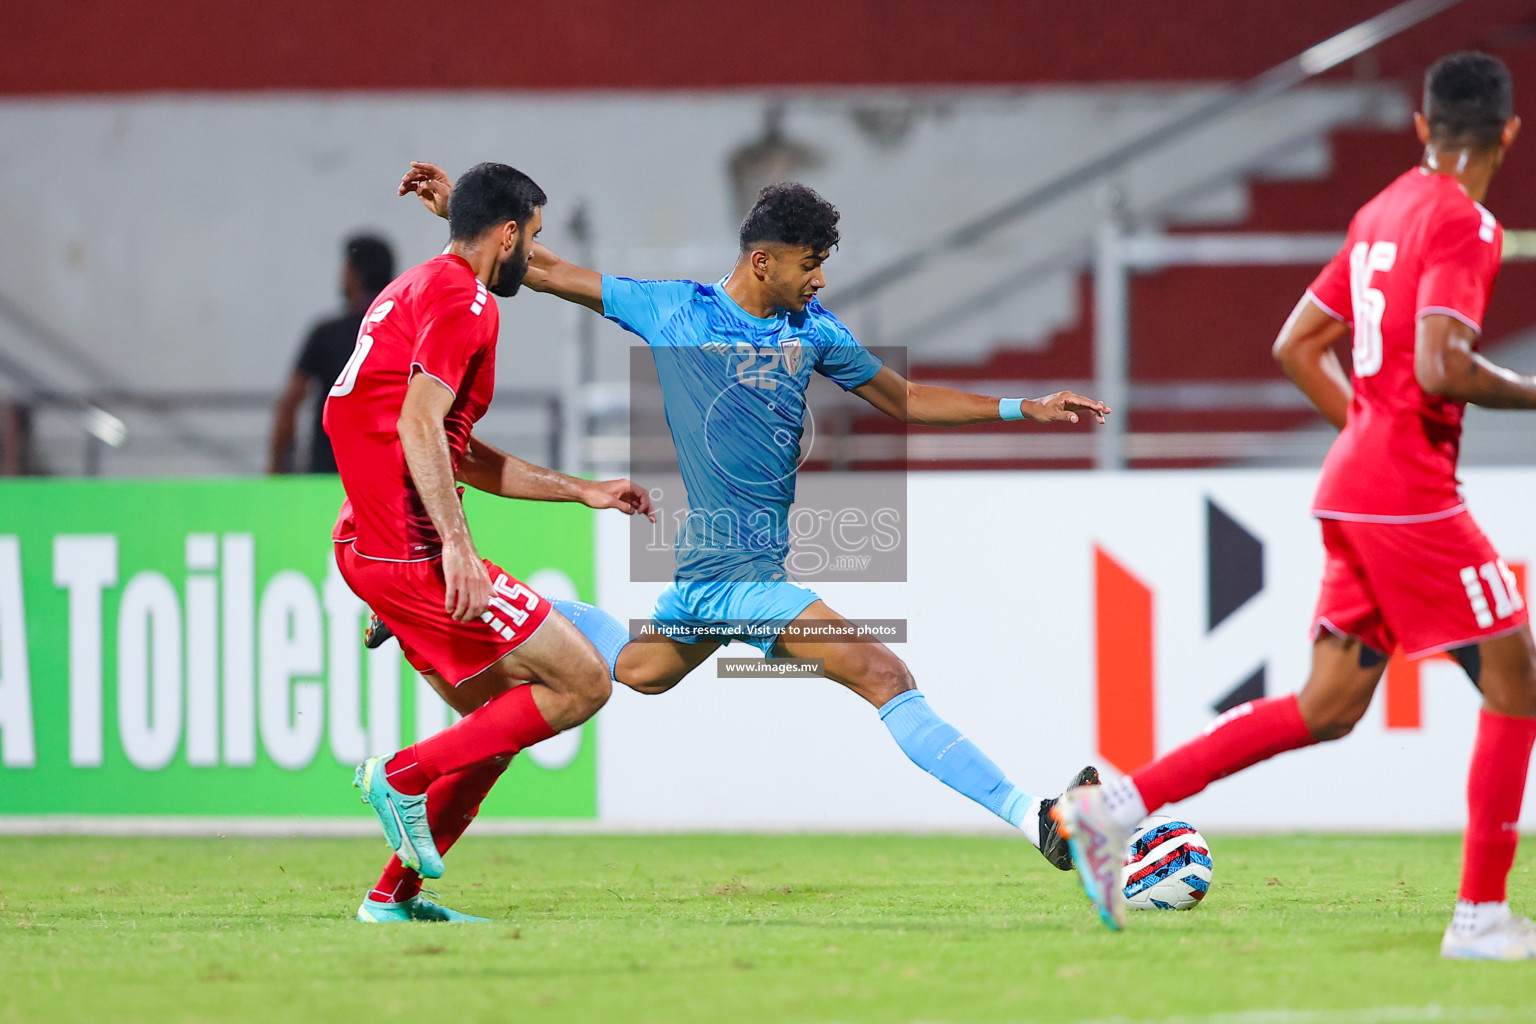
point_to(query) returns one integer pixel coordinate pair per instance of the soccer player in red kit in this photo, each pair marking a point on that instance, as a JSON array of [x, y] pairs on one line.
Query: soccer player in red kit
[[401, 418], [1406, 564]]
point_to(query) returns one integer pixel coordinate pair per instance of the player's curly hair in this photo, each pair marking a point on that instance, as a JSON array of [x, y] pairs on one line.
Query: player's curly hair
[[791, 214], [1468, 96], [489, 194]]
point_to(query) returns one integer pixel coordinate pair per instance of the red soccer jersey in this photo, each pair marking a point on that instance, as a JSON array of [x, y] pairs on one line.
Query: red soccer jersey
[[436, 319], [1422, 246]]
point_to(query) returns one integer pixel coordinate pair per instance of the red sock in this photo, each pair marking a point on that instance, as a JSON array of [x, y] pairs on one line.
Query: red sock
[[452, 803], [500, 727], [1495, 786], [1244, 736]]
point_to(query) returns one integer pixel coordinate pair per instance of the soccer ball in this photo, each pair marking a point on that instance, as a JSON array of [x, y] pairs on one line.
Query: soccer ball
[[1167, 866]]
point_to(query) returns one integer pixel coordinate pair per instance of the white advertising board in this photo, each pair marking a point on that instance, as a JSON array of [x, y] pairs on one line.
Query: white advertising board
[[1019, 585]]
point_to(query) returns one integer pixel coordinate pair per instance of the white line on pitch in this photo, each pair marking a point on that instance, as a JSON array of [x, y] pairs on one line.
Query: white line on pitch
[[1374, 1015]]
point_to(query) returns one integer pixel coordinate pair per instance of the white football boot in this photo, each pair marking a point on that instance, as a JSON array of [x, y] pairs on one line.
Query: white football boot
[[1512, 937], [1098, 849]]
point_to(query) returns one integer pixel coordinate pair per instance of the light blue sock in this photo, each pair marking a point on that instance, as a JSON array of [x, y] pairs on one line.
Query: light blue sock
[[605, 631], [938, 748]]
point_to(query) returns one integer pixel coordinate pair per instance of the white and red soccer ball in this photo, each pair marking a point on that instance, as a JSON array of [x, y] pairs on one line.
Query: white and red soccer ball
[[1167, 865]]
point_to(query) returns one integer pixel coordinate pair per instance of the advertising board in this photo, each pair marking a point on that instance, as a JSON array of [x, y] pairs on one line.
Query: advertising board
[[188, 648]]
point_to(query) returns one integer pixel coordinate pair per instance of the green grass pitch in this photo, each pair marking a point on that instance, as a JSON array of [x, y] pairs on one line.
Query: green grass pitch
[[669, 929]]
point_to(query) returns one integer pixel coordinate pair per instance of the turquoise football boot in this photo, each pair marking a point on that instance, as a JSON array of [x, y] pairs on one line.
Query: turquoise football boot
[[417, 908], [404, 819]]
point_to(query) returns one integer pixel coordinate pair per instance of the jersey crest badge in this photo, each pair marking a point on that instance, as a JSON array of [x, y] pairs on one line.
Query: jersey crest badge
[[792, 354]]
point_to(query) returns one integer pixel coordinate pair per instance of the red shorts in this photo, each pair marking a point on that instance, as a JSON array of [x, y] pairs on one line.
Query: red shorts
[[1424, 587], [409, 597]]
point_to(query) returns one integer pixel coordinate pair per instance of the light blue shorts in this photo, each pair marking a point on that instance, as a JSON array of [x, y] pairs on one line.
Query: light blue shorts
[[752, 613]]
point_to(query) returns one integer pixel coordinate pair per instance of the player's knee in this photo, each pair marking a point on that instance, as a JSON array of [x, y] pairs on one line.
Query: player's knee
[[1329, 716], [1334, 723], [1514, 695], [1525, 708], [887, 678], [1332, 729], [593, 688], [651, 687]]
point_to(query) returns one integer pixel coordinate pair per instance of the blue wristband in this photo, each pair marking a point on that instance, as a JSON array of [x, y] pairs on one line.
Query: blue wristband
[[1010, 408]]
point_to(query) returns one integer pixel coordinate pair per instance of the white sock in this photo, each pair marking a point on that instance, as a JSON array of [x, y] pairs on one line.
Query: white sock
[[1030, 826], [1476, 918], [1124, 802]]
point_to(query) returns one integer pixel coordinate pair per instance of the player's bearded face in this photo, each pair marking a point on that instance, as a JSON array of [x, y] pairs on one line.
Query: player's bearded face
[[511, 271]]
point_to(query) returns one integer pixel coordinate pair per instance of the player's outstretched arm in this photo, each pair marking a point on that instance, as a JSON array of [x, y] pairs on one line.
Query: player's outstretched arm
[[487, 468], [426, 455], [928, 404], [552, 275], [1305, 351], [546, 272], [1445, 363]]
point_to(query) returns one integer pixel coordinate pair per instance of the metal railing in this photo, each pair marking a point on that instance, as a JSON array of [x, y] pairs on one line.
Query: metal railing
[[1118, 255], [1308, 64], [108, 402], [20, 444]]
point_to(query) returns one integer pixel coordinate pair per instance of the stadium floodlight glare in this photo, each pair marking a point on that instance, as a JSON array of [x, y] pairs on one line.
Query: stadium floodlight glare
[[1354, 41], [105, 427]]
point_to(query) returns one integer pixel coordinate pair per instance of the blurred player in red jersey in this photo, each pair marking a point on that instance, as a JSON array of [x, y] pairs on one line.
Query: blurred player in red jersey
[[1406, 564], [400, 418]]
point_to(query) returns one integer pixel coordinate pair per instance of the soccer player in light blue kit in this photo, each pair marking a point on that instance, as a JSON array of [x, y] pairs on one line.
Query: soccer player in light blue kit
[[734, 359]]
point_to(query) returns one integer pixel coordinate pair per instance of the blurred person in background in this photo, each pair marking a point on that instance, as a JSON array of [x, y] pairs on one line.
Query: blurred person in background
[[369, 266]]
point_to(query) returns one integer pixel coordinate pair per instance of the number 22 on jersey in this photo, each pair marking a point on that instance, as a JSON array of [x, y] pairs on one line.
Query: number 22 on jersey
[[1365, 260], [749, 373]]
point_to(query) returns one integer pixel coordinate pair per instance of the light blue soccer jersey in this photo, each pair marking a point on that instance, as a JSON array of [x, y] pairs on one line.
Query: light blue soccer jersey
[[733, 386]]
